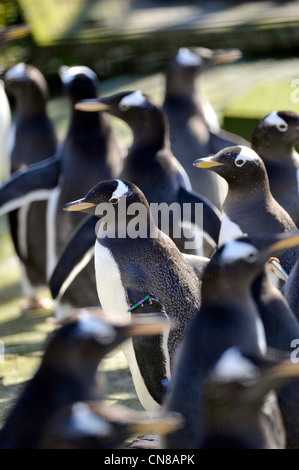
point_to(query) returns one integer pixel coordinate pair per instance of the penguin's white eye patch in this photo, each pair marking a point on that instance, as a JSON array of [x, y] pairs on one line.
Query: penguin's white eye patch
[[114, 200], [136, 98], [276, 121], [251, 257], [283, 127], [239, 162], [236, 250]]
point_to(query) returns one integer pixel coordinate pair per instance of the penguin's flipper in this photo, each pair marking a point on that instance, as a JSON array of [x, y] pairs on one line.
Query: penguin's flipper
[[74, 257], [223, 139], [151, 354], [198, 263], [34, 184], [211, 215]]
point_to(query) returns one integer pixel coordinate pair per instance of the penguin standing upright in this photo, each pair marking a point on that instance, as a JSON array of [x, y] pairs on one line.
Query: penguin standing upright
[[151, 164], [274, 139], [194, 127], [33, 138], [89, 153], [281, 330], [67, 374], [228, 317], [146, 263], [249, 207], [6, 36]]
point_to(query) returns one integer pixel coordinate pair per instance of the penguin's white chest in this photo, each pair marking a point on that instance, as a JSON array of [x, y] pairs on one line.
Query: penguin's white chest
[[229, 230], [113, 299]]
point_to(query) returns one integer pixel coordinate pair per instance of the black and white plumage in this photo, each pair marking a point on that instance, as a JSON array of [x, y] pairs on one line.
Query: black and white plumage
[[249, 207], [240, 406], [127, 267], [89, 153], [68, 374], [33, 139], [151, 164], [228, 317], [193, 124], [274, 139]]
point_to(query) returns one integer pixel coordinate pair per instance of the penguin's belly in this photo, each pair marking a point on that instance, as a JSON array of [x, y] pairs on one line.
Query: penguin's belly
[[113, 299]]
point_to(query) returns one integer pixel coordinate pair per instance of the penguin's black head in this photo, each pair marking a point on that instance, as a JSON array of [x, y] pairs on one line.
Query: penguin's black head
[[136, 108], [85, 338], [239, 382], [243, 259], [116, 202], [107, 192], [26, 84], [277, 131], [238, 165], [190, 62], [80, 82]]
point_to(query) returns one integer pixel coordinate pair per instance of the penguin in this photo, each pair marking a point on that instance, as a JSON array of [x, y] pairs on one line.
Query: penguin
[[33, 138], [151, 164], [228, 317], [149, 262], [249, 207], [75, 254], [89, 153], [5, 124], [238, 395], [68, 374], [95, 425], [6, 36], [290, 290], [193, 124], [281, 330], [274, 139]]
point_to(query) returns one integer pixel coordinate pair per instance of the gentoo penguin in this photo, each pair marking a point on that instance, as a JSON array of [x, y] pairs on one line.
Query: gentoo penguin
[[89, 153], [194, 127], [6, 36], [75, 255], [95, 425], [281, 330], [274, 139], [237, 401], [249, 207], [33, 138], [67, 374], [228, 317], [133, 255], [290, 290], [151, 164]]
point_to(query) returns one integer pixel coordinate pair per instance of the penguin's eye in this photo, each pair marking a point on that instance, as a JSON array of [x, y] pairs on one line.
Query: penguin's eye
[[251, 257], [114, 200], [239, 162], [123, 107], [283, 127]]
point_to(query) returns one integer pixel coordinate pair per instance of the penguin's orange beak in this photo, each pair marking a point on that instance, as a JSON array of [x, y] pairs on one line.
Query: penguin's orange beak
[[92, 105], [78, 206], [207, 162], [284, 241], [226, 56]]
